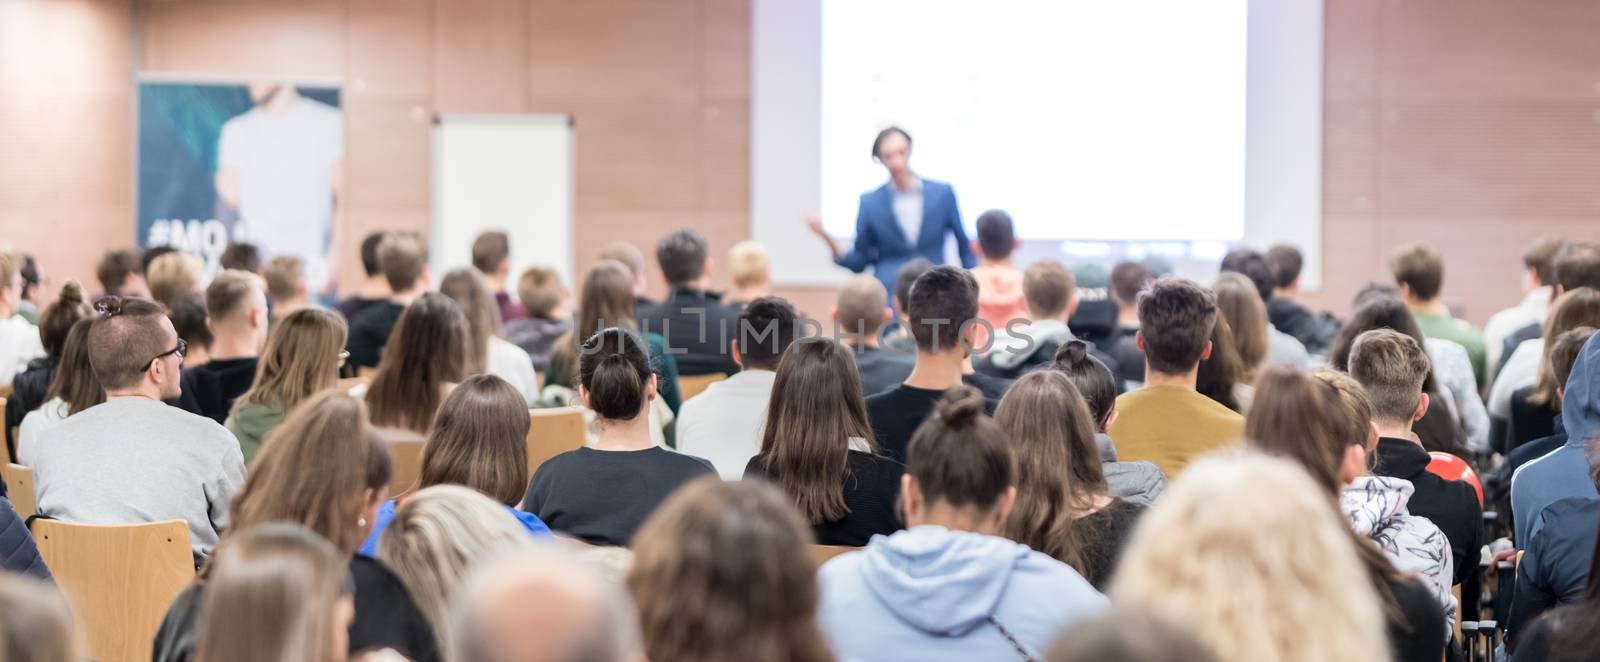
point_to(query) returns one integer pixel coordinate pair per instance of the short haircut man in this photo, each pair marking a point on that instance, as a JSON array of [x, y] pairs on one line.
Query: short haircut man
[[626, 253], [1420, 270], [1539, 259], [1286, 263], [1391, 366], [862, 307], [233, 293], [1048, 289], [369, 254], [1128, 279], [997, 236], [908, 274], [125, 339], [767, 326], [286, 278], [115, 267], [402, 256], [749, 264], [541, 605], [1253, 265], [682, 255], [490, 251], [1176, 316], [1577, 265], [242, 256], [943, 301], [539, 290]]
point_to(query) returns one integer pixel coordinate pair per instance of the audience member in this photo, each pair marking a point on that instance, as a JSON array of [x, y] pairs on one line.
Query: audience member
[[1576, 264], [1050, 294], [1167, 421], [73, 388], [175, 275], [605, 301], [32, 288], [1392, 367], [241, 256], [692, 319], [39, 625], [603, 493], [579, 614], [151, 254], [1129, 635], [723, 423], [632, 258], [238, 321], [817, 446], [1265, 515], [1419, 273], [708, 572], [943, 303], [286, 285], [995, 598], [302, 357], [1564, 473], [18, 553], [1136, 482], [276, 592], [116, 463], [546, 301], [478, 440], [752, 273], [1128, 279], [1255, 341], [1001, 286], [375, 288], [1282, 348], [1528, 367], [897, 337], [491, 258], [121, 273], [189, 319], [436, 538], [486, 351], [1220, 376], [19, 340], [859, 313], [1314, 332], [1563, 354], [31, 387], [1062, 508], [404, 261], [424, 359], [1538, 290], [1556, 568]]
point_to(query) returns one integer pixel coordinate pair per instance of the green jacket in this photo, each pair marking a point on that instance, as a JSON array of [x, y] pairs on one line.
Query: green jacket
[[250, 424]]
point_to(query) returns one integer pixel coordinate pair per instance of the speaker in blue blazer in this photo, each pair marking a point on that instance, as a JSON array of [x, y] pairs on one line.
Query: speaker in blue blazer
[[881, 242]]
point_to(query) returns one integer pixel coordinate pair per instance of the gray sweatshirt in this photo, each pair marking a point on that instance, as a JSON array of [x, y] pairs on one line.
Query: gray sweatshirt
[[134, 461]]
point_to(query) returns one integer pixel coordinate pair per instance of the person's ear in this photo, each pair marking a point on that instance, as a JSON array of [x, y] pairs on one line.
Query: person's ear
[[910, 498], [888, 314], [1072, 305], [1205, 354], [706, 272], [1404, 290], [976, 247], [1372, 436], [211, 324], [1111, 419], [1016, 244], [833, 313], [1422, 408], [1002, 508], [583, 394], [733, 350], [1561, 393], [1559, 290], [1138, 339], [649, 389], [1353, 464]]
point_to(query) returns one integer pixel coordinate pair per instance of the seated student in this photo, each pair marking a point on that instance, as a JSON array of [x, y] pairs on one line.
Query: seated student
[[478, 440], [1000, 285], [632, 259], [1167, 421], [173, 275], [942, 303], [1135, 482], [1221, 375], [73, 390], [1563, 473], [1282, 348], [31, 387], [1391, 366], [286, 285], [18, 552], [1128, 279], [326, 469], [302, 357], [1419, 273], [1265, 514], [897, 337], [121, 273], [375, 288], [580, 614], [1314, 331], [1246, 317], [858, 314], [423, 360], [709, 538], [604, 300], [39, 624], [189, 319], [602, 493], [437, 537], [723, 423], [491, 258], [692, 319], [487, 352], [237, 309], [1063, 508], [1556, 567], [546, 301], [995, 599], [1529, 408], [752, 273], [404, 260], [116, 463], [19, 340], [241, 256], [32, 288], [1129, 635], [1563, 354], [817, 446], [1538, 290], [1575, 264], [1050, 293], [276, 591]]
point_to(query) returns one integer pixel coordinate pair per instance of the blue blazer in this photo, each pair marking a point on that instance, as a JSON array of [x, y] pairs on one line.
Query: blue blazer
[[884, 246]]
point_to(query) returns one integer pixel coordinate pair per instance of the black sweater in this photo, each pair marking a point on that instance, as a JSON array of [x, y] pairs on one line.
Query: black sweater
[[1451, 505], [871, 491]]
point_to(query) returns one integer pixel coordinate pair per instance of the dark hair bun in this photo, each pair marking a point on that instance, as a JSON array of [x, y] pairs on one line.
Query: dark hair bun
[[71, 294], [614, 366], [1073, 352], [959, 407]]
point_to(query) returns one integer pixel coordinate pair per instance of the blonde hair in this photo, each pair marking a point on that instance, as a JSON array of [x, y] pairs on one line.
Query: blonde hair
[[1246, 552], [539, 291], [300, 358], [435, 540], [285, 275], [38, 626], [748, 261], [174, 275], [271, 598]]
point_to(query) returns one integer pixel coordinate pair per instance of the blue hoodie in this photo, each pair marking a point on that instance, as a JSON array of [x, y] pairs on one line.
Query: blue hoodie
[[929, 593], [1563, 474]]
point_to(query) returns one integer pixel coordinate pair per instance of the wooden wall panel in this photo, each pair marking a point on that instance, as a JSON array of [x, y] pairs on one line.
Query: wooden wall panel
[[243, 37], [480, 56]]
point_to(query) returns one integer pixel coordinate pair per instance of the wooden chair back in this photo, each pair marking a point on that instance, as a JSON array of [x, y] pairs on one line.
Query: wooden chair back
[[693, 385], [405, 459], [19, 489], [822, 553], [119, 579], [553, 431]]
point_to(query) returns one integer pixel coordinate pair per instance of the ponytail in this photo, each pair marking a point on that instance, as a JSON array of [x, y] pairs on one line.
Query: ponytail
[[614, 367], [959, 455]]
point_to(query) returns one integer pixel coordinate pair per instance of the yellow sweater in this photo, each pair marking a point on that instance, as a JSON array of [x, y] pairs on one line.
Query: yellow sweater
[[1170, 426]]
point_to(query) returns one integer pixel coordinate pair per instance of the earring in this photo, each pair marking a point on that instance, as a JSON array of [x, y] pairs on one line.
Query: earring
[[361, 521]]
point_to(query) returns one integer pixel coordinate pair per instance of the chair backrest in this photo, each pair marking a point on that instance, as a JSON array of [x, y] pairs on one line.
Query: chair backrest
[[405, 458], [692, 385], [5, 451], [119, 579], [19, 488], [553, 431], [821, 553]]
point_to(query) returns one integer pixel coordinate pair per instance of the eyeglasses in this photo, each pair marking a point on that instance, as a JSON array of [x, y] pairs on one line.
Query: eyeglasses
[[343, 356], [180, 350]]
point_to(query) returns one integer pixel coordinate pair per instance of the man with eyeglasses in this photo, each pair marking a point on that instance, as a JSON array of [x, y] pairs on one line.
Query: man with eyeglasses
[[133, 459]]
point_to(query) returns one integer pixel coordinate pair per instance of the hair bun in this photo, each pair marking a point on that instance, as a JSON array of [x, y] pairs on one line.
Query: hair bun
[[1072, 352], [959, 407], [71, 293]]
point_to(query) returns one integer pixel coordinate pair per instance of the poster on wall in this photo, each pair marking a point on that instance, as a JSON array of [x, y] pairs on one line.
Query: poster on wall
[[253, 161]]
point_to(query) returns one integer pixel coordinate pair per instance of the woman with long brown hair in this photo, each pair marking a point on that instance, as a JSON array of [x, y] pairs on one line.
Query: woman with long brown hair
[[817, 446], [708, 571], [277, 592], [1240, 304], [30, 388], [424, 358], [327, 469], [1062, 506], [304, 352], [74, 388], [1220, 376], [487, 352]]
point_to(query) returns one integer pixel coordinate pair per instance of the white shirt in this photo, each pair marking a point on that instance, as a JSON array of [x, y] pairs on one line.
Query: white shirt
[[908, 211], [1531, 310], [723, 424], [509, 362], [19, 344], [1522, 369], [284, 163], [1284, 349], [37, 421]]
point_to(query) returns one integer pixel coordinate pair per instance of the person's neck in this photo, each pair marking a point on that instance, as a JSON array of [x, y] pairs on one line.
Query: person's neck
[[405, 297], [937, 371], [1433, 306], [234, 344], [1286, 293], [903, 180], [6, 311], [374, 288], [629, 435], [1127, 317], [697, 285], [496, 282], [1004, 262], [869, 340], [1185, 380], [144, 390], [751, 293], [286, 306], [1394, 430], [954, 519]]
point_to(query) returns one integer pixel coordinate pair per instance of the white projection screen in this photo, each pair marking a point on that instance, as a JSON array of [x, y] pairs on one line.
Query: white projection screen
[[1165, 126]]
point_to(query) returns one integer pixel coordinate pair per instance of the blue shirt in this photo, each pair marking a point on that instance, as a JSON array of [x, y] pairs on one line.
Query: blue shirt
[[531, 522]]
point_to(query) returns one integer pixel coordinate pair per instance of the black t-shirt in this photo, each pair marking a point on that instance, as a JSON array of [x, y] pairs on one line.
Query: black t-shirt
[[1130, 359], [209, 389], [369, 332], [603, 497], [897, 412], [353, 306], [871, 493], [1101, 537]]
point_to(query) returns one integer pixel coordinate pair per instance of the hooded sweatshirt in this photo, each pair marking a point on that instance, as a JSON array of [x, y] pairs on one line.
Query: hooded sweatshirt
[[250, 425], [1015, 346], [1563, 474], [929, 593], [1375, 507]]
